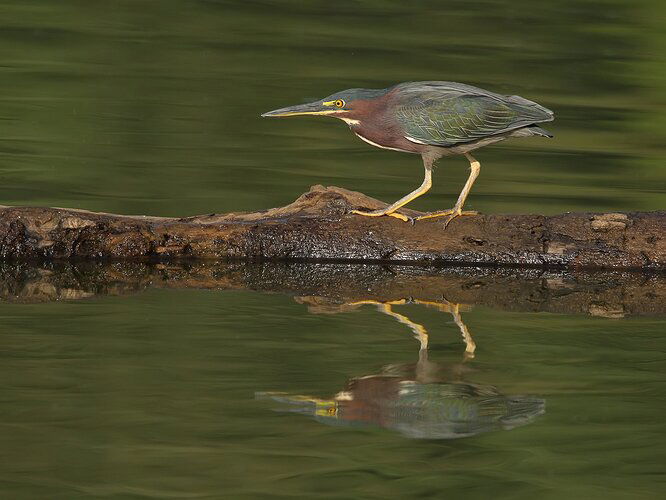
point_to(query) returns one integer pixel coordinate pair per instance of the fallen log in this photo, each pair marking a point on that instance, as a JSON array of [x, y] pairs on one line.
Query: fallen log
[[318, 227]]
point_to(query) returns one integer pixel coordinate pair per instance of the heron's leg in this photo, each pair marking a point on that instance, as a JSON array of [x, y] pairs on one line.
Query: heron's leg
[[457, 210], [470, 345], [391, 209], [420, 333], [454, 310]]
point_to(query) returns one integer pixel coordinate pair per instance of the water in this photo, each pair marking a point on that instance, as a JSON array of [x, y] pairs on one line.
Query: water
[[144, 381], [132, 380]]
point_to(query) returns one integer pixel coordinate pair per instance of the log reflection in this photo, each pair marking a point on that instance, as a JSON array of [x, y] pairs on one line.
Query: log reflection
[[605, 294]]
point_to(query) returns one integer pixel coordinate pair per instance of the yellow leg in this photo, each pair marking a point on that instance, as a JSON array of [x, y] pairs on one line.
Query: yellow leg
[[457, 210], [376, 302], [420, 332], [454, 309], [391, 209], [470, 345]]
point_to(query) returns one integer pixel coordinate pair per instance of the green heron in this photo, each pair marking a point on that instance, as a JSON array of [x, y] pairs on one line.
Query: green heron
[[433, 119]]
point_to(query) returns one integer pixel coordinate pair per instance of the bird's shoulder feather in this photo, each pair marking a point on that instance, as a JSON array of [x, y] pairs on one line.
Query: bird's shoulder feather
[[449, 113]]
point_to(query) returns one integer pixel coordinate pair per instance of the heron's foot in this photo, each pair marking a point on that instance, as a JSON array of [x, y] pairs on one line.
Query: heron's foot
[[379, 213], [450, 214]]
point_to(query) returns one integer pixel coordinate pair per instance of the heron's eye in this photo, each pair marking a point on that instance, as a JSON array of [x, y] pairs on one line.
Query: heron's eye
[[339, 103]]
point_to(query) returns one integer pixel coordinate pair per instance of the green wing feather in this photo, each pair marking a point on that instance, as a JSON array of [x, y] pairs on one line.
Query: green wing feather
[[445, 116]]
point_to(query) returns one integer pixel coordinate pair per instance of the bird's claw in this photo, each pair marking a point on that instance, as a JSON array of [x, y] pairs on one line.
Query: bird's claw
[[373, 213], [451, 214], [458, 213], [448, 220], [380, 213]]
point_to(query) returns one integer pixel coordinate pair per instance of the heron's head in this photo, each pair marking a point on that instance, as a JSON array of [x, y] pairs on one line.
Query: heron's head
[[349, 105], [303, 404]]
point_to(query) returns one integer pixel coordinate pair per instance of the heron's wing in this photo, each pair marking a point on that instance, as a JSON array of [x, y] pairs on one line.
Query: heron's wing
[[445, 116]]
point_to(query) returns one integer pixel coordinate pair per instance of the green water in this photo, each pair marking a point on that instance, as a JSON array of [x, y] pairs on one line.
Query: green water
[[131, 382]]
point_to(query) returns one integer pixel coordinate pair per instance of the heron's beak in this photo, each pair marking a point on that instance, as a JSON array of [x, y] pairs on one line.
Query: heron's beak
[[303, 404], [312, 108]]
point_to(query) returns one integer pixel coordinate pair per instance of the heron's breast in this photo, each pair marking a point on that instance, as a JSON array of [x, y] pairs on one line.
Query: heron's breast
[[385, 137]]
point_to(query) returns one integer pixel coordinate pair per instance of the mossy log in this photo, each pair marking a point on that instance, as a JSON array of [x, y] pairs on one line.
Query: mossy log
[[318, 227]]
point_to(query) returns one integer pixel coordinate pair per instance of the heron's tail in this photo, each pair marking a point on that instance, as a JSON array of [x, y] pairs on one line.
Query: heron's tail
[[539, 131], [531, 130]]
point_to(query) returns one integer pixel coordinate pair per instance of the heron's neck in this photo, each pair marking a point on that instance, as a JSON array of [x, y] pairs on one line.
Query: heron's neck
[[352, 122]]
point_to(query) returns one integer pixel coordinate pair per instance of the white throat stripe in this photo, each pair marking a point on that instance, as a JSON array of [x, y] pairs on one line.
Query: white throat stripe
[[379, 146], [349, 121]]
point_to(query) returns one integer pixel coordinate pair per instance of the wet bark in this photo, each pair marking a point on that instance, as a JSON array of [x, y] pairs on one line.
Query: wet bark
[[318, 227]]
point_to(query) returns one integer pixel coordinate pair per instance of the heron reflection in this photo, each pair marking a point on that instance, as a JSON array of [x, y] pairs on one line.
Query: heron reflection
[[420, 333], [426, 399]]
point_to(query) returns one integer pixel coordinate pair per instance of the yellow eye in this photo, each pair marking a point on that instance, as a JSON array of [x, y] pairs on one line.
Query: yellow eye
[[339, 103]]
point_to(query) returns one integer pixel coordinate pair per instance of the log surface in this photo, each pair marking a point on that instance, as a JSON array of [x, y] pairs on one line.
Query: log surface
[[318, 227]]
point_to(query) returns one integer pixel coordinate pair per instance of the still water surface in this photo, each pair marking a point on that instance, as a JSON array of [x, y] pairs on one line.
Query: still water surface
[[270, 381], [266, 382]]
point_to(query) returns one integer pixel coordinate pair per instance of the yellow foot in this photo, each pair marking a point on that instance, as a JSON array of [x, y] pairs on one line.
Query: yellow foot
[[449, 214], [379, 213]]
